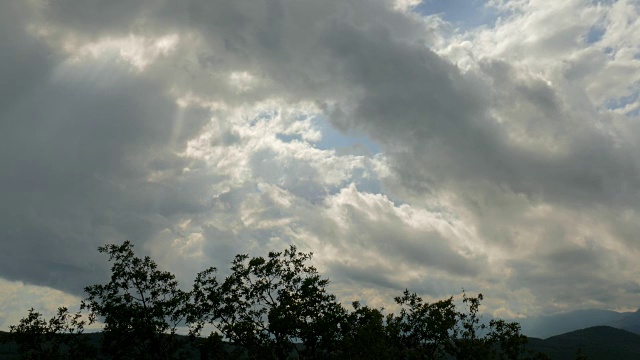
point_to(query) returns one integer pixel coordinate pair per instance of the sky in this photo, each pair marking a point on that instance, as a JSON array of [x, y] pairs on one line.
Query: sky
[[437, 145]]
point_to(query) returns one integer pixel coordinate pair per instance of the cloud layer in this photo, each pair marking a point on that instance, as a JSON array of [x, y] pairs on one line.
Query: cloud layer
[[504, 156]]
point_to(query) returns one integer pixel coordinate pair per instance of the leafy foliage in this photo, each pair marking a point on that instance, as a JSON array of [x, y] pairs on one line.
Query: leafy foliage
[[366, 334], [141, 307], [54, 339], [267, 308], [267, 305], [424, 329]]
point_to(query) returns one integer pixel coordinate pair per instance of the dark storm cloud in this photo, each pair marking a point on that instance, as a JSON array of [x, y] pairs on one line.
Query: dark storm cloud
[[367, 61], [593, 272], [76, 146], [436, 124], [280, 41], [93, 150], [373, 274]]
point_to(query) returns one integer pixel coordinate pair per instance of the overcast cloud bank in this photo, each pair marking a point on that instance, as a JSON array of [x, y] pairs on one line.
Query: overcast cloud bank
[[505, 158]]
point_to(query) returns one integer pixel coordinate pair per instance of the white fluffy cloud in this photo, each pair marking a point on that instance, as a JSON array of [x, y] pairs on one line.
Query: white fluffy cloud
[[507, 163]]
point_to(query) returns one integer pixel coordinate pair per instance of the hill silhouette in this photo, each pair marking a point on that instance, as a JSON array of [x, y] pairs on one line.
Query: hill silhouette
[[630, 322], [597, 343], [549, 325]]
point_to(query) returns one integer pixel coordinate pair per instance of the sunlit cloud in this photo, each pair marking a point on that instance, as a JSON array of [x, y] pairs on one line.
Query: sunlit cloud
[[403, 143]]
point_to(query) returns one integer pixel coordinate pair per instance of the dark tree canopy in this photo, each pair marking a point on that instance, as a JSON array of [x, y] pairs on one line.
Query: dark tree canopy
[[39, 339], [269, 305], [367, 334], [141, 307], [273, 307]]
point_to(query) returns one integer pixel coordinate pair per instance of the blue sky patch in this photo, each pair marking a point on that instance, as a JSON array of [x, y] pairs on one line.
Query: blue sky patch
[[287, 138], [621, 102], [333, 138], [464, 14], [594, 35]]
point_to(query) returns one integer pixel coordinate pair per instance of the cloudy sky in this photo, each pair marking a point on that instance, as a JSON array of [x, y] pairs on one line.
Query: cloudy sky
[[435, 145]]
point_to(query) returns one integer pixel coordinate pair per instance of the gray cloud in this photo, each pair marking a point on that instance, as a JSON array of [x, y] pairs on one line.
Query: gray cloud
[[594, 272], [77, 143], [108, 133]]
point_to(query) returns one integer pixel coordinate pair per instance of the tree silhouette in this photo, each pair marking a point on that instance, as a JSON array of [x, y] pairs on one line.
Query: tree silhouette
[[38, 339], [425, 330], [267, 308], [268, 305], [141, 307], [367, 334]]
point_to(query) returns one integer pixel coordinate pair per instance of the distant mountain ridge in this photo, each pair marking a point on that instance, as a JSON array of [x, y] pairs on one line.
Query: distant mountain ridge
[[597, 343], [630, 322], [550, 325]]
